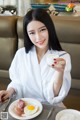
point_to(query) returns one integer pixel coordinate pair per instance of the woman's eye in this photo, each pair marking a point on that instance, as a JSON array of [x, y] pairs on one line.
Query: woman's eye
[[31, 33], [43, 29]]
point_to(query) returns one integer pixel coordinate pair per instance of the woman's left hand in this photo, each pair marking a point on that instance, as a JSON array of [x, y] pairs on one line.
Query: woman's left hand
[[59, 64]]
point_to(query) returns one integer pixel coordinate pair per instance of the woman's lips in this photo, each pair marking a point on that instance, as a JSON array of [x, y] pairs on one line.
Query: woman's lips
[[41, 42]]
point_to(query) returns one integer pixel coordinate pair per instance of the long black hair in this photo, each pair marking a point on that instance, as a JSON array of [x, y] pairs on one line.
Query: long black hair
[[42, 16]]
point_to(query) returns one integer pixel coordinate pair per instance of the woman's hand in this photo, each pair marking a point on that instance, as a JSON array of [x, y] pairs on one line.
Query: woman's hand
[[5, 94], [59, 64]]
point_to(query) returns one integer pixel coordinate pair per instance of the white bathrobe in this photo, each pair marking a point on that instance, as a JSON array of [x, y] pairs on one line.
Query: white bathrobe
[[33, 80]]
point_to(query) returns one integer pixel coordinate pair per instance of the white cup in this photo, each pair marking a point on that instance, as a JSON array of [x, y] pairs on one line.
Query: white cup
[[50, 59]]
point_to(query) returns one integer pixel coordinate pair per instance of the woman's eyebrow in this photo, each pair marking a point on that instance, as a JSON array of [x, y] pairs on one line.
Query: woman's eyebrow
[[30, 30], [38, 28], [42, 27]]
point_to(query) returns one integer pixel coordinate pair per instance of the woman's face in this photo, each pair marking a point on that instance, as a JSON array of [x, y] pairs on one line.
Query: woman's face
[[38, 34]]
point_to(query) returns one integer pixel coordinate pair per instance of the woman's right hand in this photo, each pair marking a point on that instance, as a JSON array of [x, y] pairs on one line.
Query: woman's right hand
[[5, 94]]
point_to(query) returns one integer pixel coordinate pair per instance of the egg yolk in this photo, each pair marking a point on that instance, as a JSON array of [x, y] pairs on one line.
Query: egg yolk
[[30, 107]]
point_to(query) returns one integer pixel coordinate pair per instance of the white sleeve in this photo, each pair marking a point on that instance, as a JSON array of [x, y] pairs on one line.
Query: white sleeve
[[49, 93], [15, 76]]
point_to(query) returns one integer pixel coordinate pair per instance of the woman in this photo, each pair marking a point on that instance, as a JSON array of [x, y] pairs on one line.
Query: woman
[[30, 74]]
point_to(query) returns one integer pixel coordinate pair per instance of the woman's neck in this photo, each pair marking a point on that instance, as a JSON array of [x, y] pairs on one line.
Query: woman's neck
[[40, 53]]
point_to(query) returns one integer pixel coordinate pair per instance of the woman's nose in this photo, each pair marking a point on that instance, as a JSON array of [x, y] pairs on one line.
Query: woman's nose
[[38, 37]]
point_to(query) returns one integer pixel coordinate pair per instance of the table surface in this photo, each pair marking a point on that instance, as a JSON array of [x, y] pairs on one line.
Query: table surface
[[42, 116]]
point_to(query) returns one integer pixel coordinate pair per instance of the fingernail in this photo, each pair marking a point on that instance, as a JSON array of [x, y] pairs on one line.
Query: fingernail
[[52, 65], [55, 62], [54, 59]]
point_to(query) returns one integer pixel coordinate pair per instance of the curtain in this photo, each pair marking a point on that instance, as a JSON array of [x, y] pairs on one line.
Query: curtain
[[23, 6], [10, 2], [1, 2]]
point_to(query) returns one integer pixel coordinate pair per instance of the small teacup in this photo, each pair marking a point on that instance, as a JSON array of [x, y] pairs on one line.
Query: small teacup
[[50, 59]]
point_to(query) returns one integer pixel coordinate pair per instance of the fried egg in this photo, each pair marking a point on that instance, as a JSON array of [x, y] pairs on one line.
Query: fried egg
[[30, 109]]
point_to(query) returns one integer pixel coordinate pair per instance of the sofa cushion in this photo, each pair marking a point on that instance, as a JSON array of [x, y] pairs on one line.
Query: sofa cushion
[[20, 32], [8, 41], [8, 46]]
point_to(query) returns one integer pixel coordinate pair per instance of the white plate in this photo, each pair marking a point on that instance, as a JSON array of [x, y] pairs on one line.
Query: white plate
[[68, 114], [29, 100]]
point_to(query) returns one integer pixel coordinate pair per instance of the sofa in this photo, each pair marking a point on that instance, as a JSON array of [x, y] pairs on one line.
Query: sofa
[[68, 32]]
